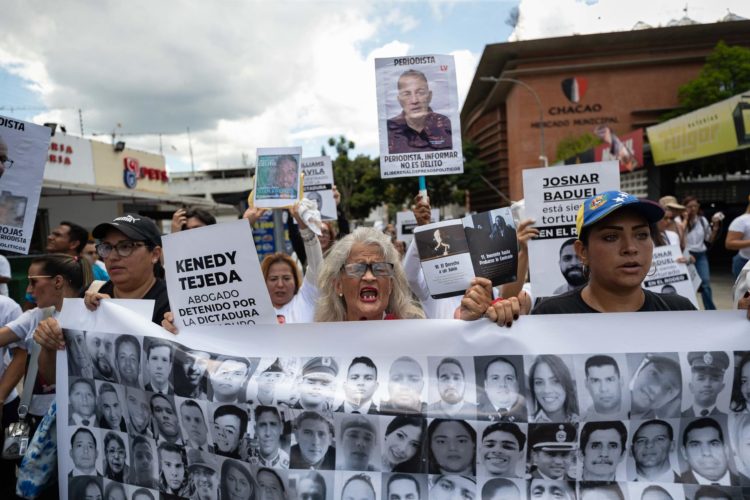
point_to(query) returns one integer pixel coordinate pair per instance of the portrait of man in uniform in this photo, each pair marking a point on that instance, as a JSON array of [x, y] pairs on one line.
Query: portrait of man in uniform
[[318, 384], [552, 450], [268, 380], [451, 385], [417, 128], [707, 371], [501, 400]]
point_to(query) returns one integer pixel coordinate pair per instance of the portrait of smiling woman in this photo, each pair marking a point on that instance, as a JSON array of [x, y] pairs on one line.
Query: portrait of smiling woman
[[552, 391], [402, 447]]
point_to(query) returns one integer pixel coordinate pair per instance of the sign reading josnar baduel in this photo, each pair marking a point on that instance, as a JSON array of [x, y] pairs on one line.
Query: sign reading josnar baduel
[[418, 116], [214, 277], [23, 153], [553, 196]]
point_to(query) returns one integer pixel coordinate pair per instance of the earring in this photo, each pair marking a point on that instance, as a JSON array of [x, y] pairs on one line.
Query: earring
[[341, 294]]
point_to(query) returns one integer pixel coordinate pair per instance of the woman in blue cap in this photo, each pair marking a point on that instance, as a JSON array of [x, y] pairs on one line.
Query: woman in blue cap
[[615, 244]]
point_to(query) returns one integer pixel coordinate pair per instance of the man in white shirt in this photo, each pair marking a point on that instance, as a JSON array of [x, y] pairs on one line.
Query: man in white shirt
[[651, 446], [83, 452], [704, 450]]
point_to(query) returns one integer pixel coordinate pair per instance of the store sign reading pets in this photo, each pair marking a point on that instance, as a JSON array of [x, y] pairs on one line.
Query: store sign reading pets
[[134, 171]]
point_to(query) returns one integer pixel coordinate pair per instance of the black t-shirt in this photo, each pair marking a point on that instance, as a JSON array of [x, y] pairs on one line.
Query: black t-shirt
[[158, 293], [572, 302]]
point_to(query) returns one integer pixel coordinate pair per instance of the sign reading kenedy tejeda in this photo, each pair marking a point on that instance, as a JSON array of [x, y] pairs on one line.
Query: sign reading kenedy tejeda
[[23, 153], [418, 117], [669, 275], [214, 278], [277, 177], [318, 181], [437, 409], [553, 196]]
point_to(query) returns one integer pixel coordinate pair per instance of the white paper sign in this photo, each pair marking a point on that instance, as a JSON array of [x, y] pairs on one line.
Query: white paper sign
[[406, 223], [214, 277], [318, 183], [277, 177], [23, 152], [418, 116], [552, 197], [669, 276], [225, 378]]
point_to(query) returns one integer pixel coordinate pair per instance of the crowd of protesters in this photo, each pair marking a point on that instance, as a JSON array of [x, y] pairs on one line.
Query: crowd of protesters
[[359, 274]]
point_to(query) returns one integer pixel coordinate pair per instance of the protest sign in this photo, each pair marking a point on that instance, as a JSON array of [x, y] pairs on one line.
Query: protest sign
[[406, 223], [669, 276], [418, 117], [453, 252], [214, 277], [552, 197], [229, 386], [23, 153], [318, 182], [277, 177]]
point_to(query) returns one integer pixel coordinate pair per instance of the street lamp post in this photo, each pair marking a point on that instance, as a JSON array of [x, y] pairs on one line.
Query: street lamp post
[[542, 155]]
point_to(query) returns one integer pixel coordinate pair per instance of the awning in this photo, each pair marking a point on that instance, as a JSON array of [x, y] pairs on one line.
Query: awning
[[719, 128], [57, 188]]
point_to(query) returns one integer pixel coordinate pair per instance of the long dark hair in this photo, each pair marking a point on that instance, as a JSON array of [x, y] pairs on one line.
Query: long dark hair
[[417, 463], [739, 403], [433, 463], [560, 370], [75, 270]]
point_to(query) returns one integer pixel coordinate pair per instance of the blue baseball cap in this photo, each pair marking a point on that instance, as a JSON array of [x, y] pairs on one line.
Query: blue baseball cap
[[597, 207]]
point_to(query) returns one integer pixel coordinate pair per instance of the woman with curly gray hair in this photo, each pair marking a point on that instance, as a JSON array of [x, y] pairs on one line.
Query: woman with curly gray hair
[[362, 279]]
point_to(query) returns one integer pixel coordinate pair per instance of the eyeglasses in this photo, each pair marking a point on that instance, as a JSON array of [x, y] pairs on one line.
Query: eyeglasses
[[34, 279], [7, 163], [379, 269], [123, 248]]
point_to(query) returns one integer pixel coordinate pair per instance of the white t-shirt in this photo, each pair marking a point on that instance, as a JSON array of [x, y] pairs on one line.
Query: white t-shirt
[[25, 324], [742, 225], [695, 239], [4, 273], [9, 312]]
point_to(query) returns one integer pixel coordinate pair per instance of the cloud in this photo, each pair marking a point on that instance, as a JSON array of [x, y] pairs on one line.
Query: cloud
[[544, 19]]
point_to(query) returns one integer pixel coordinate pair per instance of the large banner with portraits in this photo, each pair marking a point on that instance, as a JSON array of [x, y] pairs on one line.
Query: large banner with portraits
[[606, 405], [552, 197], [23, 153], [418, 116]]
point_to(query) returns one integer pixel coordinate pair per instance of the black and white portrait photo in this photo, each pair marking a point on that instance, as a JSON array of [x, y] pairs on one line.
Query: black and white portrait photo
[[110, 406], [502, 449], [314, 446], [359, 387], [128, 359], [451, 381], [159, 357], [190, 373], [602, 389], [500, 389], [707, 388], [655, 385], [84, 452], [406, 383], [357, 443]]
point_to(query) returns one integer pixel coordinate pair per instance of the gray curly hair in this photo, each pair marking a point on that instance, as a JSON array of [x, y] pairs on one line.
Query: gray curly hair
[[331, 307]]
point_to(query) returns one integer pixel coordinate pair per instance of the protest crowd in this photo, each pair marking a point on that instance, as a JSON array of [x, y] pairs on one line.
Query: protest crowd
[[135, 414], [349, 275]]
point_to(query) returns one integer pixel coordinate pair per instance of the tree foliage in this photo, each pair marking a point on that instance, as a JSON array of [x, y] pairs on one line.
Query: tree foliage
[[573, 145], [726, 73]]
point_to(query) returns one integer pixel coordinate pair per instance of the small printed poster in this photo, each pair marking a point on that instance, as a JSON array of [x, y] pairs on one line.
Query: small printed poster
[[406, 223], [552, 197], [452, 252], [277, 177], [214, 278], [418, 116], [669, 276], [23, 154], [318, 185]]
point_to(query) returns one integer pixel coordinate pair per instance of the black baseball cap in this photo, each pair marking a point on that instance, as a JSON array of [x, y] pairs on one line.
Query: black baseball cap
[[134, 226]]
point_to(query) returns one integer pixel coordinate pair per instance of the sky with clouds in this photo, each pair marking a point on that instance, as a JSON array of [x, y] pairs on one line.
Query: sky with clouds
[[245, 74]]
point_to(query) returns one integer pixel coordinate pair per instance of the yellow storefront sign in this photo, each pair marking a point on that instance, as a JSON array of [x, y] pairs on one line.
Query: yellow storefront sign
[[715, 129]]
